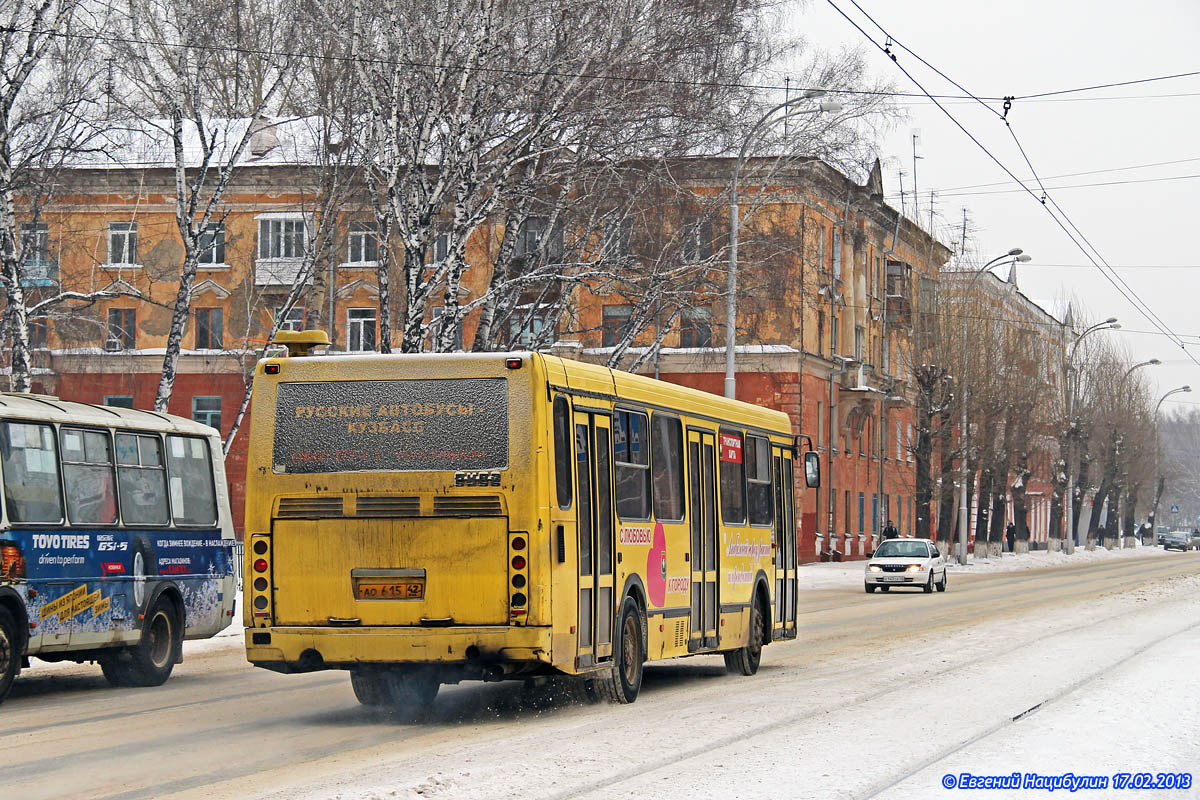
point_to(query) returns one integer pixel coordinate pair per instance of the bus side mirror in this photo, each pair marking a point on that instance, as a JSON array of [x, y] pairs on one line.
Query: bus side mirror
[[812, 469]]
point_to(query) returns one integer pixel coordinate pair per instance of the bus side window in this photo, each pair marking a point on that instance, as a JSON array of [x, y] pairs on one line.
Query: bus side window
[[141, 479], [733, 478], [667, 454], [631, 453], [30, 473], [758, 480], [193, 498], [88, 479], [562, 451]]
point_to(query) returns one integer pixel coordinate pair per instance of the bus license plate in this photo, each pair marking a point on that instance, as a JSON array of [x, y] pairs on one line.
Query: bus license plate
[[390, 590]]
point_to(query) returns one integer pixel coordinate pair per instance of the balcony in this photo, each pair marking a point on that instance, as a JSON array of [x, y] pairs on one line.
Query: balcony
[[39, 272], [281, 272]]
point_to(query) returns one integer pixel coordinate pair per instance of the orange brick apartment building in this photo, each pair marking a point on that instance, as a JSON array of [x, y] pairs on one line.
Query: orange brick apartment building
[[825, 323]]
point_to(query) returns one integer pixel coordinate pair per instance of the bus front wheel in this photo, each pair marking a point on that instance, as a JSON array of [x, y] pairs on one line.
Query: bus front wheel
[[10, 643], [745, 660], [623, 683]]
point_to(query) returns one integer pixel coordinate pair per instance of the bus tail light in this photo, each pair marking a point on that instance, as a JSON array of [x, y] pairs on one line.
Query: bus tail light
[[258, 581], [518, 575]]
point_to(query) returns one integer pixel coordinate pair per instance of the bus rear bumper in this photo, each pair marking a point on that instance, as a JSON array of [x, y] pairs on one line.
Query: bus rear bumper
[[308, 649]]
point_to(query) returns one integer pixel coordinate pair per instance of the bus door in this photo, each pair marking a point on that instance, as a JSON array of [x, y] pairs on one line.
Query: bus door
[[785, 541], [594, 529], [702, 513]]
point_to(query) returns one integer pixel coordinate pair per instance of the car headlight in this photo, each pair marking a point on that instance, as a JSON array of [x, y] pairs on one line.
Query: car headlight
[[874, 568], [916, 567]]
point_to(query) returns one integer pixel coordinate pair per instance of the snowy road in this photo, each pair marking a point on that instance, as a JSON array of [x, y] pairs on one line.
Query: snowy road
[[882, 696]]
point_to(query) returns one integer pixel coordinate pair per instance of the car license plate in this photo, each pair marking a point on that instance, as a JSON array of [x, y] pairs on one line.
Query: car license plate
[[893, 578], [390, 590]]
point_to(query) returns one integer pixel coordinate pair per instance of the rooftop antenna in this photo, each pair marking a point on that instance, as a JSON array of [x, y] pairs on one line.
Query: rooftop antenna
[[916, 139]]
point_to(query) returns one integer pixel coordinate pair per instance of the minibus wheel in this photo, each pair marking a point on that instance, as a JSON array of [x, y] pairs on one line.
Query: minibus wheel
[[403, 689], [148, 663], [9, 657], [624, 681]]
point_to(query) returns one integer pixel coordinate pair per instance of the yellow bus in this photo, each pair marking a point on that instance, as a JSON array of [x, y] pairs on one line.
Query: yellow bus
[[428, 519]]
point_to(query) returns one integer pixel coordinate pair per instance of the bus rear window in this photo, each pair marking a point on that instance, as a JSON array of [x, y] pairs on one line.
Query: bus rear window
[[193, 499], [422, 425], [30, 472]]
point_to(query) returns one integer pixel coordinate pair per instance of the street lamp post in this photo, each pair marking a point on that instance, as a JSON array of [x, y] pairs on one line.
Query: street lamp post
[[1157, 479], [735, 222], [1107, 325], [1153, 362], [1016, 254]]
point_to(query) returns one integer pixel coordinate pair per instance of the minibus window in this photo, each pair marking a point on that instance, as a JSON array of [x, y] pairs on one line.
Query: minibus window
[[88, 479], [142, 479], [30, 473], [193, 500]]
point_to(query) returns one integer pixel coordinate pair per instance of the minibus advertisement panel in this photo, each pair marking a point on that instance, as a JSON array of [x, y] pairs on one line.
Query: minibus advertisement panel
[[408, 425]]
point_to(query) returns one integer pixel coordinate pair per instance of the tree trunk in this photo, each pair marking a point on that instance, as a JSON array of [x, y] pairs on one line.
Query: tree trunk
[[1020, 510], [981, 513], [1131, 509], [924, 477], [1097, 507], [1056, 530], [947, 519]]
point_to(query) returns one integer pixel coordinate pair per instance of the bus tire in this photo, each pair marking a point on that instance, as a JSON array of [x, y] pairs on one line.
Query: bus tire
[[413, 691], [745, 660], [622, 683], [153, 658], [371, 687], [10, 657]]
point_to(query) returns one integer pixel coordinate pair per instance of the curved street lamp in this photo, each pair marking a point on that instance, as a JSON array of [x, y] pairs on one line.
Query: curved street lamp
[[1157, 406], [1109, 324], [764, 122], [1017, 255]]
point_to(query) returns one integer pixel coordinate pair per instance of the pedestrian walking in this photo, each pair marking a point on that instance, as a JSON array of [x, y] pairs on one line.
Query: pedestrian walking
[[890, 532], [1010, 535]]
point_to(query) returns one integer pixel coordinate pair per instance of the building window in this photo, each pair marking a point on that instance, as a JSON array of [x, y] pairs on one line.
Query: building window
[[834, 344], [435, 325], [619, 238], [441, 247], [696, 328], [360, 325], [207, 411], [698, 241], [212, 246], [862, 513], [35, 255], [530, 235], [122, 243], [37, 333], [846, 515], [527, 327], [858, 342], [820, 333], [363, 243], [293, 320], [122, 329], [209, 329], [910, 442], [281, 237], [820, 424], [616, 324], [118, 400]]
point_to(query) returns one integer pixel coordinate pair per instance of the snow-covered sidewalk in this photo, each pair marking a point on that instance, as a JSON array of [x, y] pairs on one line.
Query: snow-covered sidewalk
[[849, 573]]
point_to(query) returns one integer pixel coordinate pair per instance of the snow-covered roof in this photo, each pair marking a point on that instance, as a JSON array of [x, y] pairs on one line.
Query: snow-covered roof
[[274, 141]]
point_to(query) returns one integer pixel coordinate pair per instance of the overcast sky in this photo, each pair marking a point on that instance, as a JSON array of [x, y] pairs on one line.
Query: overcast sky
[[1145, 224]]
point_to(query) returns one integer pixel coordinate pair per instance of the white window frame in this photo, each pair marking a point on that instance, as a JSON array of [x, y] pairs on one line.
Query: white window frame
[[362, 231], [354, 322], [264, 242], [294, 321], [207, 259], [129, 228]]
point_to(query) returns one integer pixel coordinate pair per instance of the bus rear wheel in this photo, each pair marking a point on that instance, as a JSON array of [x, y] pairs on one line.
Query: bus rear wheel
[[745, 660], [10, 643], [623, 682], [150, 662], [403, 689]]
